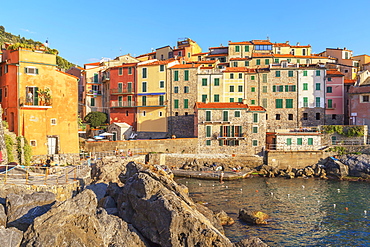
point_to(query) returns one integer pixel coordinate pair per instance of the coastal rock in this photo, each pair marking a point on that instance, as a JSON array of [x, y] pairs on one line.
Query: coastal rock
[[3, 217], [113, 190], [336, 168], [358, 165], [160, 210], [224, 218], [10, 237], [253, 217], [209, 214], [107, 202], [23, 209], [100, 189], [250, 242]]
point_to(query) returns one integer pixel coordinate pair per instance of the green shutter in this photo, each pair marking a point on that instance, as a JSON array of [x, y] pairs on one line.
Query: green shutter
[[317, 72], [186, 103], [237, 48], [208, 115], [255, 117], [290, 73], [299, 141], [279, 103], [281, 88], [277, 73], [274, 88], [176, 76], [293, 88], [310, 141], [246, 48], [36, 96], [289, 141], [228, 131], [258, 62], [286, 88], [305, 86], [305, 73], [186, 75], [217, 81], [330, 103], [221, 142], [204, 81], [176, 103], [289, 103], [225, 116], [208, 131], [216, 98], [204, 98]]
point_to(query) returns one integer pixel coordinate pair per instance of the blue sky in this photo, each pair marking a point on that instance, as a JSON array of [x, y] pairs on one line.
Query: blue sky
[[86, 31]]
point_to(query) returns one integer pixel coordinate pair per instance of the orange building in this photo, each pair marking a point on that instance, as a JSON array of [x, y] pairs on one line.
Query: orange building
[[39, 102]]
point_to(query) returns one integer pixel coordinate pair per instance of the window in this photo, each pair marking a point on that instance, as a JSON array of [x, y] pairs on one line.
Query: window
[[33, 143], [267, 61], [208, 115], [253, 89], [255, 117], [277, 73], [237, 114], [254, 143], [364, 98], [160, 114], [130, 70], [217, 81], [120, 71], [176, 103], [240, 100], [276, 60], [290, 73], [225, 116], [237, 48], [216, 98], [143, 86], [246, 48], [204, 98], [144, 113], [304, 72], [126, 113], [186, 75], [92, 102], [53, 121], [254, 129], [235, 64], [176, 113], [186, 89], [176, 75], [278, 103], [329, 78], [231, 88], [263, 47], [264, 89], [289, 88], [176, 89], [253, 77], [208, 131], [231, 75], [240, 88], [310, 141], [246, 63], [5, 69], [204, 81], [143, 102], [305, 116], [305, 101], [264, 103], [290, 116], [318, 86], [305, 86], [231, 99], [161, 84], [186, 103], [334, 116], [253, 101], [317, 116], [34, 71], [317, 72], [145, 72], [161, 100], [277, 116], [240, 76], [208, 142], [161, 67], [258, 62], [330, 103], [318, 102], [264, 77], [288, 103], [299, 141], [289, 141]]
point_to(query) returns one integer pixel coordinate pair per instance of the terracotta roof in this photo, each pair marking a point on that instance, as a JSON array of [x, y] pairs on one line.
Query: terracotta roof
[[219, 47], [300, 46], [93, 64], [240, 43], [218, 55], [334, 72], [185, 66], [125, 65], [256, 108], [223, 64], [205, 62], [211, 67], [239, 58], [281, 45], [157, 62], [147, 54], [349, 81], [199, 54], [239, 69], [261, 42]]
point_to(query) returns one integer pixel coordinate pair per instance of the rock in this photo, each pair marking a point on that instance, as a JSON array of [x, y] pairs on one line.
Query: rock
[[357, 164], [224, 218], [100, 189], [107, 202], [113, 211], [10, 237], [160, 210], [251, 242], [76, 222], [209, 214], [308, 171], [113, 190], [336, 168], [3, 217], [23, 209], [253, 217]]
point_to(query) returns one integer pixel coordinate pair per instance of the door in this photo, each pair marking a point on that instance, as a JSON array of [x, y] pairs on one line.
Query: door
[[114, 137], [52, 145]]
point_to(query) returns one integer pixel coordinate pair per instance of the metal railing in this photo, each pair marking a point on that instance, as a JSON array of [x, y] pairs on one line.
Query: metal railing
[[121, 90], [117, 103], [35, 102], [284, 147]]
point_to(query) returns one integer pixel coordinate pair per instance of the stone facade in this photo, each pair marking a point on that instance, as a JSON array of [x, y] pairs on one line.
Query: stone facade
[[230, 128], [294, 140]]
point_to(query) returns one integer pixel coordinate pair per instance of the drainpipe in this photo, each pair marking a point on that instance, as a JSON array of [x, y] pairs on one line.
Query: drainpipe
[[298, 121], [170, 103], [210, 87], [18, 98]]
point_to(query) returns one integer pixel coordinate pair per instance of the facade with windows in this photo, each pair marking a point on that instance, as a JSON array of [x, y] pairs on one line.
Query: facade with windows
[[39, 102], [359, 104], [230, 128], [334, 98], [301, 139]]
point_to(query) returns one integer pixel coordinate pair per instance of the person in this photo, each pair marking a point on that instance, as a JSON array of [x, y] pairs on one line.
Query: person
[[221, 177], [129, 153], [29, 98]]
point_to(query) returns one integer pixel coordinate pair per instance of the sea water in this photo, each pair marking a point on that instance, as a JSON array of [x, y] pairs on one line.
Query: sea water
[[303, 212]]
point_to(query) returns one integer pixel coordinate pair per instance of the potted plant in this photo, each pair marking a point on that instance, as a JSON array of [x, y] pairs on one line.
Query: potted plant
[[47, 96]]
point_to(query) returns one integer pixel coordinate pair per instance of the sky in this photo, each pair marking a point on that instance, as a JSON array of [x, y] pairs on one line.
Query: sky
[[87, 31]]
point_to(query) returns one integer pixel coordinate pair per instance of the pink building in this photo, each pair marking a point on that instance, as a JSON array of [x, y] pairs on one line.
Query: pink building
[[334, 97], [359, 104]]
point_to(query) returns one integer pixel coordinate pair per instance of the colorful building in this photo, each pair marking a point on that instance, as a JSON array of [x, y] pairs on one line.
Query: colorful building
[[334, 105], [39, 102]]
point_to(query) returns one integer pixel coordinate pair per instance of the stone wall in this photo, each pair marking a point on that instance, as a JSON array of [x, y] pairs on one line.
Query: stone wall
[[178, 145], [337, 120], [295, 159]]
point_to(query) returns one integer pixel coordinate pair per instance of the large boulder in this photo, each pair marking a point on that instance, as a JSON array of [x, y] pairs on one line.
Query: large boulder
[[163, 213], [100, 189], [23, 209], [75, 223], [224, 218], [250, 242], [336, 168], [253, 217], [10, 237], [358, 165]]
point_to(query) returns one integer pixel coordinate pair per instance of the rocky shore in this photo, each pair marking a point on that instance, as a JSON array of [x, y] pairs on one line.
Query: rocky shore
[[133, 205]]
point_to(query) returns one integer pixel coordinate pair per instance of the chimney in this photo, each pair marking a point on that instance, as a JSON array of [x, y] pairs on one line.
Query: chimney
[[287, 42]]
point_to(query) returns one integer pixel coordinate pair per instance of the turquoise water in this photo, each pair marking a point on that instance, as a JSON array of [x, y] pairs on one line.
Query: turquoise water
[[304, 212]]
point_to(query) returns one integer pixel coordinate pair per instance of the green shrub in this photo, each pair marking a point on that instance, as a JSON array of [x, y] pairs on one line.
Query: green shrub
[[9, 147], [95, 118]]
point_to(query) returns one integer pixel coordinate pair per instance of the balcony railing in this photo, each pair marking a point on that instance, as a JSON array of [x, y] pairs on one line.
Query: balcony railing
[[151, 102], [117, 103], [94, 92], [121, 91], [105, 77], [23, 102], [331, 107]]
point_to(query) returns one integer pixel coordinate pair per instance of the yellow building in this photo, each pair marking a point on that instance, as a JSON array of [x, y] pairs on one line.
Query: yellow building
[[39, 101], [151, 98]]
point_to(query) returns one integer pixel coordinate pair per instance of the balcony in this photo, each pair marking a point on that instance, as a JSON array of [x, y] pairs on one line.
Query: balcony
[[331, 106], [121, 91], [117, 103], [35, 103], [94, 92], [105, 77], [151, 103]]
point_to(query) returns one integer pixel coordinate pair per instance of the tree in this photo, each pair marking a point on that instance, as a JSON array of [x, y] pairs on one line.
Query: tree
[[95, 118]]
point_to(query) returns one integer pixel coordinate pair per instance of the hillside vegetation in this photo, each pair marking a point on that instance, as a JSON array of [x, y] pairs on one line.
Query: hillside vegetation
[[23, 42]]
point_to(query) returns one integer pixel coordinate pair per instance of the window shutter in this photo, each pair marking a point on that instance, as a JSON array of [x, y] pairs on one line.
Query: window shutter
[[274, 88], [286, 88]]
